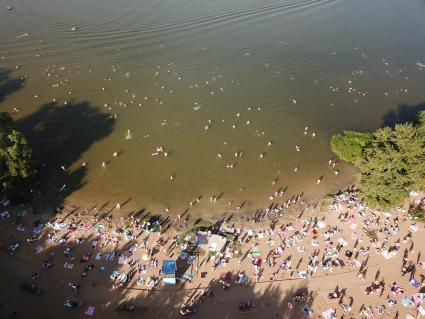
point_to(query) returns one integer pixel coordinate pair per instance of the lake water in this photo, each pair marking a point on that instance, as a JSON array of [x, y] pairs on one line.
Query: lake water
[[202, 78]]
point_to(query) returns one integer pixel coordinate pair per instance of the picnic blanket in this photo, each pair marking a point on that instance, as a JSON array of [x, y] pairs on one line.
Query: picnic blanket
[[90, 311], [342, 242], [418, 298], [115, 274], [38, 249], [110, 256], [329, 314], [122, 260], [188, 276], [406, 302]]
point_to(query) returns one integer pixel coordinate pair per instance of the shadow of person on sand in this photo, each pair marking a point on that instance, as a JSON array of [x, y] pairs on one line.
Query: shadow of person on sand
[[8, 85], [404, 113], [59, 136]]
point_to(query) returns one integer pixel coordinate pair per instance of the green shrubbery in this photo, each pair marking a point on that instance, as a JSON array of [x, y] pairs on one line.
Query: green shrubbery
[[417, 213], [351, 145], [391, 161]]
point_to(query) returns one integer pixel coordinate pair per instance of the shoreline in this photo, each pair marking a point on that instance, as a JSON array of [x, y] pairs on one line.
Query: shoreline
[[205, 209]]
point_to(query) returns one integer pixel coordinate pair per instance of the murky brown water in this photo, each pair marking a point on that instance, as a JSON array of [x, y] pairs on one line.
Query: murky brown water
[[166, 70]]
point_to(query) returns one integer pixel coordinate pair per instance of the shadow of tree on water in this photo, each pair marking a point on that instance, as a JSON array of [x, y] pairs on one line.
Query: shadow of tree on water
[[404, 113], [8, 85], [59, 136]]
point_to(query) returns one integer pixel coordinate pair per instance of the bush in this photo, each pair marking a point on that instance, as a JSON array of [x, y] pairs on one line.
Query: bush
[[351, 145], [325, 202], [391, 161]]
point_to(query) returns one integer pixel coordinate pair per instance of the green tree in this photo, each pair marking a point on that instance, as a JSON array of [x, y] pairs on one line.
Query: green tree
[[16, 158], [350, 145], [391, 163]]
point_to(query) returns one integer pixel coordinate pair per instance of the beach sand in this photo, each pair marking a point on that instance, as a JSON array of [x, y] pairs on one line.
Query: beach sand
[[271, 295]]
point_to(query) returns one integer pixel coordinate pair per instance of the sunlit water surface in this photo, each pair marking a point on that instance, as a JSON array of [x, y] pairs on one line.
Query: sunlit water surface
[[202, 78]]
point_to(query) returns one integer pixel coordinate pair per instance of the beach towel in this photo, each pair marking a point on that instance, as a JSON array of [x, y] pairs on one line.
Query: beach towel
[[321, 224], [122, 260], [115, 274], [191, 259], [5, 202], [342, 242], [406, 302], [329, 314], [188, 276], [122, 278], [110, 256], [418, 298], [90, 311], [414, 283], [413, 228], [59, 226], [388, 255], [38, 249], [314, 243]]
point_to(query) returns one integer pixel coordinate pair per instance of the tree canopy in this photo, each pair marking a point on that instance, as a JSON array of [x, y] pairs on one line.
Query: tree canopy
[[16, 158], [391, 164]]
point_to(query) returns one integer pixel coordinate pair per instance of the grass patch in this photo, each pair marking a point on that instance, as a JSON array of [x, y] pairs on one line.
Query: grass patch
[[372, 234], [417, 213], [325, 202]]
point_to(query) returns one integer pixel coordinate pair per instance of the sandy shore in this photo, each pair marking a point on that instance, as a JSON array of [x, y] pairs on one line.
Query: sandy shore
[[312, 260]]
